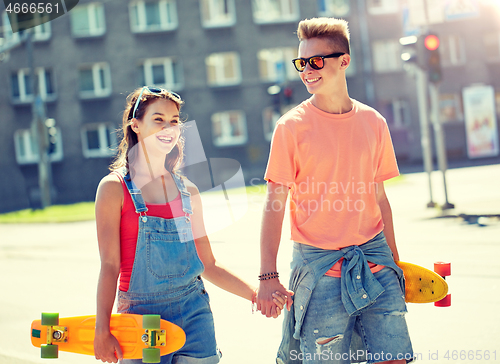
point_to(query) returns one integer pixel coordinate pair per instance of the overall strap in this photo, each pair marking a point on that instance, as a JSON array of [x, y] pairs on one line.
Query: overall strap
[[135, 193], [185, 195]]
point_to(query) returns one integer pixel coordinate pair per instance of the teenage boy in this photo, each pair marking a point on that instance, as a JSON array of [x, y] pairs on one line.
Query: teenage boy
[[331, 154]]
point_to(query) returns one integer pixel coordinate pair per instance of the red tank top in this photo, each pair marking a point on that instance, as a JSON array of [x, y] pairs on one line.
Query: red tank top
[[129, 229]]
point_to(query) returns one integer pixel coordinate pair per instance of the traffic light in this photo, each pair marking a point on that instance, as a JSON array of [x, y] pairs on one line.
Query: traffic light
[[409, 49], [288, 92], [432, 57], [424, 52], [52, 135]]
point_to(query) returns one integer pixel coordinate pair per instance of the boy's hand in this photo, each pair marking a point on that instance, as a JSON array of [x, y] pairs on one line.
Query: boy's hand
[[272, 296]]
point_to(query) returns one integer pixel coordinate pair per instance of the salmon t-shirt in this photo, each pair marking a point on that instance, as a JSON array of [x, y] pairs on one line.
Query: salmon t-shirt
[[332, 163]]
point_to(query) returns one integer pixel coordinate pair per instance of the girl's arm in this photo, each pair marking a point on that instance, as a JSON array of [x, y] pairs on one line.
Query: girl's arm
[[215, 272], [108, 206]]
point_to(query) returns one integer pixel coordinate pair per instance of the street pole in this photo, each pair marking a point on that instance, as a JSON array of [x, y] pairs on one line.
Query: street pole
[[425, 139], [39, 130], [439, 139], [366, 56]]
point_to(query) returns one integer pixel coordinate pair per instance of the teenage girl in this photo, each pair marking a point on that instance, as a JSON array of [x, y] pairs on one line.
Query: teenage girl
[[151, 235]]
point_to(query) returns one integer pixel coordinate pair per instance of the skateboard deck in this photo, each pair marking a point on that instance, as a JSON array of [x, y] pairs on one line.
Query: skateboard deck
[[424, 285], [141, 337]]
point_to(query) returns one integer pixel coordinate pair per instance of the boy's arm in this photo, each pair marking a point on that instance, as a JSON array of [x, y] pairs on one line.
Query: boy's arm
[[386, 211], [272, 223]]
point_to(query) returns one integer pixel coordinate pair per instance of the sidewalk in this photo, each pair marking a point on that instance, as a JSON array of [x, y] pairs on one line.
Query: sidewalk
[[54, 267]]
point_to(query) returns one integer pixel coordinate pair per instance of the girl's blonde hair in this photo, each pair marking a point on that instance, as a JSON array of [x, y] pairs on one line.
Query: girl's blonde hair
[[129, 137], [335, 30]]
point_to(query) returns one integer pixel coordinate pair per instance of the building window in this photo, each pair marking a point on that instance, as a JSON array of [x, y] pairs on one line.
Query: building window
[[88, 20], [378, 7], [387, 56], [452, 51], [450, 108], [491, 43], [162, 72], [275, 64], [42, 32], [396, 112], [95, 80], [223, 69], [229, 128], [269, 118], [217, 13], [7, 34], [98, 140], [336, 8], [26, 147], [21, 85], [153, 16], [497, 102], [275, 11]]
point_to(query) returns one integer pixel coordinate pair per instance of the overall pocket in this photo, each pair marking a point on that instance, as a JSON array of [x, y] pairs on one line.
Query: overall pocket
[[167, 255]]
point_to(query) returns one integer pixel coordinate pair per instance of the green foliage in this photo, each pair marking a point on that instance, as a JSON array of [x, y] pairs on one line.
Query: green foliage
[[58, 213]]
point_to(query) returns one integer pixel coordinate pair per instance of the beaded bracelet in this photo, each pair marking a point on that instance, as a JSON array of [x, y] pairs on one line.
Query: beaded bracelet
[[266, 276]]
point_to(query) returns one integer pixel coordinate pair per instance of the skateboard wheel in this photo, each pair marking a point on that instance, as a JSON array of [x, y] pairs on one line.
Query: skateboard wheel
[[151, 322], [442, 268], [151, 355], [445, 302], [50, 319], [50, 351]]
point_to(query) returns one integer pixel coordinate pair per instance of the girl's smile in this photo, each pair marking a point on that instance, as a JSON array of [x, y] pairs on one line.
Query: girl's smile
[[160, 125]]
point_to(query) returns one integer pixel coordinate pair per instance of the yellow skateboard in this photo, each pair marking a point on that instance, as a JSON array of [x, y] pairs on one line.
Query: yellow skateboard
[[141, 337], [424, 285]]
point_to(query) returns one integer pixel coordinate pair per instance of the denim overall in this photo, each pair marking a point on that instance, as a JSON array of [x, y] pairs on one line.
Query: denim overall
[[166, 279]]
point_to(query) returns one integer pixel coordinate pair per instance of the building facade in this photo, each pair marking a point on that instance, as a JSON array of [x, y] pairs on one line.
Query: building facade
[[230, 62]]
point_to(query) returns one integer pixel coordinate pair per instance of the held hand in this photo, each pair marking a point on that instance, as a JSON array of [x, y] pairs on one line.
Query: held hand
[[106, 348], [280, 300], [272, 296]]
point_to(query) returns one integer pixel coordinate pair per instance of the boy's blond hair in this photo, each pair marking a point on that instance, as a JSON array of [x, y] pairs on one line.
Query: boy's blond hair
[[335, 30]]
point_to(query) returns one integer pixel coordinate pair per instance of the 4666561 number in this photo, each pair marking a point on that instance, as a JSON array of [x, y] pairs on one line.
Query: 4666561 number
[[33, 8], [471, 355]]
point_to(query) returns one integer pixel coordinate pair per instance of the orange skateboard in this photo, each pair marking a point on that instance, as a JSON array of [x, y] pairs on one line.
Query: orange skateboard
[[424, 285], [141, 337]]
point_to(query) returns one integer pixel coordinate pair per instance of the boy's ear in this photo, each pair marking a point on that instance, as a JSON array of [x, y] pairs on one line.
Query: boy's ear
[[346, 60]]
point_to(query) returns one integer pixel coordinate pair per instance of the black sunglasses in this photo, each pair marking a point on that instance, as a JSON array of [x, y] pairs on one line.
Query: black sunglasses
[[153, 90], [316, 62]]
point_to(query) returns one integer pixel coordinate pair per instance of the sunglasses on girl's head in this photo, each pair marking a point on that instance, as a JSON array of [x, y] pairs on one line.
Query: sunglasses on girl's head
[[153, 90], [316, 62]]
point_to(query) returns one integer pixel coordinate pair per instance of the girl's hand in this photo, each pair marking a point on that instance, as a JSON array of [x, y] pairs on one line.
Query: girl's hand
[[106, 348], [280, 300]]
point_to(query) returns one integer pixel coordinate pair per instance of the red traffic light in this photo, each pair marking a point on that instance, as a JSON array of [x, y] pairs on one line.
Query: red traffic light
[[431, 42]]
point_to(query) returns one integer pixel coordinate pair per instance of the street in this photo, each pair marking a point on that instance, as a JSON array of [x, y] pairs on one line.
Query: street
[[54, 268]]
